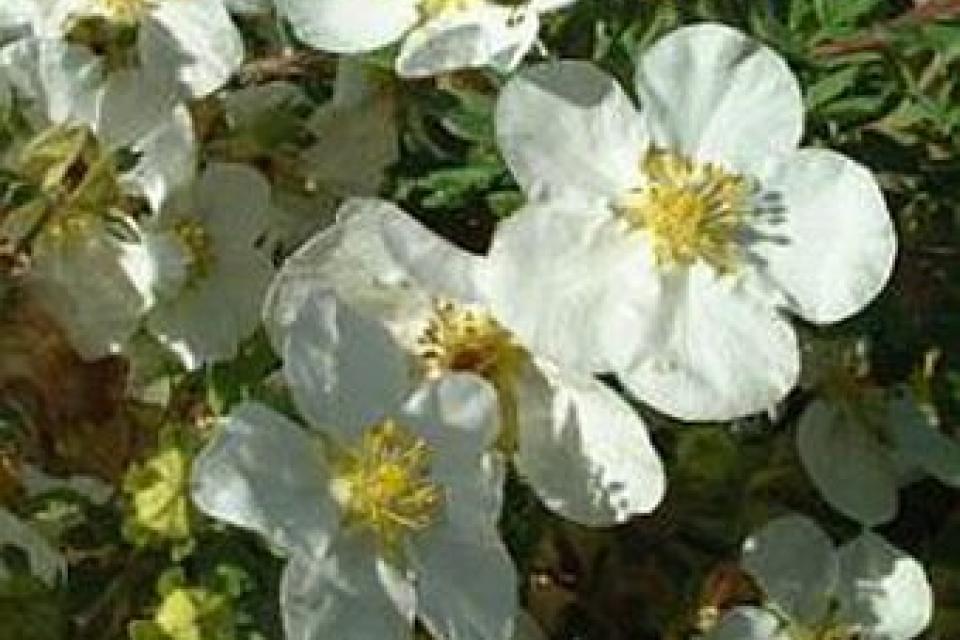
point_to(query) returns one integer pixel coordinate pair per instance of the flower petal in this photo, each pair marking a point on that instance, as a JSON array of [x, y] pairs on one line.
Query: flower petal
[[748, 623], [200, 37], [434, 261], [592, 140], [207, 320], [583, 450], [883, 589], [719, 354], [263, 473], [795, 563], [348, 257], [922, 443], [349, 26], [485, 35], [168, 159], [832, 245], [344, 369], [566, 279], [457, 415], [99, 313], [714, 94], [847, 464], [466, 581], [350, 594]]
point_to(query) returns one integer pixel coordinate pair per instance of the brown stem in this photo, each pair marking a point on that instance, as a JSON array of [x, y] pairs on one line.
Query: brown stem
[[879, 38]]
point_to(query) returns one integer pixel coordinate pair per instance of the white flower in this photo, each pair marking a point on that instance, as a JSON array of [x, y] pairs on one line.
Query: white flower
[[583, 450], [210, 274], [392, 515], [87, 268], [860, 444], [866, 589], [359, 121], [667, 244], [434, 35], [194, 44]]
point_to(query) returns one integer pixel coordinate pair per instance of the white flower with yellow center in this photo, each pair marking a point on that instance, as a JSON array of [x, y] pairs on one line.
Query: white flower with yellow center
[[190, 42], [582, 449], [859, 443], [667, 244], [387, 507], [434, 35], [91, 276], [210, 272], [865, 590]]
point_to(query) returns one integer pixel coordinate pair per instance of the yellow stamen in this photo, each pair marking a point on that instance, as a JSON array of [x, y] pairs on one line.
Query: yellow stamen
[[461, 338], [693, 211], [126, 11], [198, 247], [385, 484], [433, 8]]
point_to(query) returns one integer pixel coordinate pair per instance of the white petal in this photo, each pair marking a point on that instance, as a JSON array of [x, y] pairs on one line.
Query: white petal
[[832, 245], [360, 122], [348, 595], [457, 415], [134, 103], [485, 35], [349, 26], [168, 159], [543, 6], [438, 264], [922, 443], [795, 563], [60, 80], [209, 319], [713, 93], [466, 582], [344, 369], [349, 257], [233, 199], [244, 7], [89, 285], [883, 589], [263, 473], [720, 353], [566, 279], [584, 451], [200, 37], [568, 125], [847, 464], [748, 623]]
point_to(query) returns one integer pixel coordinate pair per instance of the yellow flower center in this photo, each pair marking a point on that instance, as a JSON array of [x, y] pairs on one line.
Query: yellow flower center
[[433, 8], [70, 228], [692, 211], [462, 338], [126, 11], [466, 339], [823, 632], [384, 484], [197, 245]]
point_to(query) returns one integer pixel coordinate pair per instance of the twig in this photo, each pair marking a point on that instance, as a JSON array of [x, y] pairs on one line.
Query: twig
[[880, 39]]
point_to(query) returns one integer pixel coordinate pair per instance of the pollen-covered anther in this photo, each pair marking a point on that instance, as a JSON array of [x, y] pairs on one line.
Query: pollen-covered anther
[[197, 245], [385, 486], [126, 11], [72, 227], [433, 8], [692, 211], [461, 338]]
